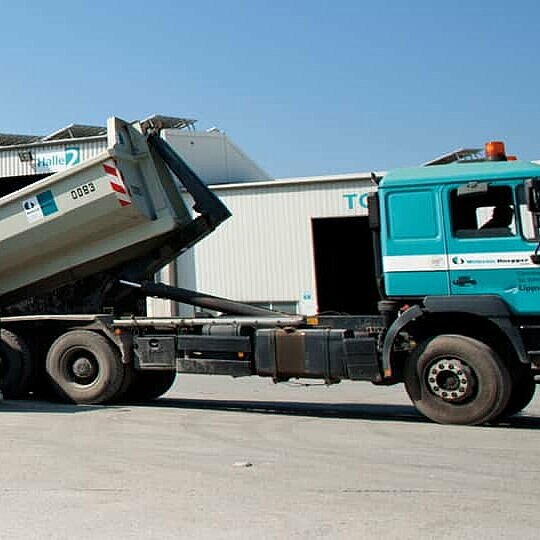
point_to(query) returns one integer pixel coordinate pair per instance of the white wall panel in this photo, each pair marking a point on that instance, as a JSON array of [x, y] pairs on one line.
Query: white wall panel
[[214, 157]]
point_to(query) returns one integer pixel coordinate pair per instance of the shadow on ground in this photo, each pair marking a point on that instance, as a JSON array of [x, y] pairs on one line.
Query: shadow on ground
[[362, 411], [36, 406], [359, 411]]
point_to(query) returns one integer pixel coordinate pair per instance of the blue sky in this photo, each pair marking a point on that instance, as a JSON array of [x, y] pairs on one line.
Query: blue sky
[[304, 87]]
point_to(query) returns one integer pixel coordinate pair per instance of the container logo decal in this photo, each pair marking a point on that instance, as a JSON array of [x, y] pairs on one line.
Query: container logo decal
[[40, 206], [117, 183], [58, 160]]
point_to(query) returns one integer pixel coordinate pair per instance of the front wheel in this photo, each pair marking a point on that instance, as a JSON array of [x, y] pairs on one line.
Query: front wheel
[[455, 379], [523, 389]]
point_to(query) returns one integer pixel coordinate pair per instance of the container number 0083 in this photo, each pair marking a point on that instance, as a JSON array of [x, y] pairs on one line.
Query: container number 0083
[[83, 190]]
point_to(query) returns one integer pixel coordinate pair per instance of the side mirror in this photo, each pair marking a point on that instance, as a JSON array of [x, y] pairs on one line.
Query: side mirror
[[374, 219], [532, 195]]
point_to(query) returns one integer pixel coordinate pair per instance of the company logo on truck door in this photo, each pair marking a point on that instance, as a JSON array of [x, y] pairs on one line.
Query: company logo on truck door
[[492, 260], [473, 261], [58, 160]]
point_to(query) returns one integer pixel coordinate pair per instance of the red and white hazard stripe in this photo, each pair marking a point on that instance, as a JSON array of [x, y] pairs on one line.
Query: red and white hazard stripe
[[117, 183]]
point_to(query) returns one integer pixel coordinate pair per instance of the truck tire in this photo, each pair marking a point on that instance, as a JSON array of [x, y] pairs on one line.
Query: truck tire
[[455, 379], [523, 389], [127, 381], [84, 367], [149, 385], [15, 366]]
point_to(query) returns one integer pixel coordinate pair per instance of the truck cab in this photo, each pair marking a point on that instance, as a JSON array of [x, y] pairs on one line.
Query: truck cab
[[460, 230], [459, 275]]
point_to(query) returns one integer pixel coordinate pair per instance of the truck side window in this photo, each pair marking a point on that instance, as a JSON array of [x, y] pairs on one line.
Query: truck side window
[[526, 218], [484, 214]]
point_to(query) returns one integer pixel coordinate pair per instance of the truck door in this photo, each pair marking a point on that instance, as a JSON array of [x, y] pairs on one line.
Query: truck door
[[413, 242], [490, 241]]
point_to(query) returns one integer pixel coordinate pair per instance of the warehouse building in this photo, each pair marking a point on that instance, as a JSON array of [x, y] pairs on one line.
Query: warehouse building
[[299, 245]]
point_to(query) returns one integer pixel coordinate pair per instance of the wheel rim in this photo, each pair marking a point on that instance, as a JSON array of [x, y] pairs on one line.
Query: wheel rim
[[450, 379], [81, 367]]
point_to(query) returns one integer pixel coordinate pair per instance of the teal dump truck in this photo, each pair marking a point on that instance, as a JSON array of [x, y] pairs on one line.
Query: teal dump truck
[[457, 267]]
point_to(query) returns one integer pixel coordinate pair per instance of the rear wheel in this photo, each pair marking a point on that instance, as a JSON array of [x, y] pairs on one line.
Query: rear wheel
[[127, 381], [84, 367], [455, 379], [15, 366], [149, 385]]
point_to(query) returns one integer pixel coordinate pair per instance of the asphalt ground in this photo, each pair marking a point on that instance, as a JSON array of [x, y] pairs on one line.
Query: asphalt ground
[[223, 458]]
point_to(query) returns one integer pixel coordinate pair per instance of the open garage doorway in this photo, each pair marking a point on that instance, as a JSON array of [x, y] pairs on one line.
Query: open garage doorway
[[344, 265]]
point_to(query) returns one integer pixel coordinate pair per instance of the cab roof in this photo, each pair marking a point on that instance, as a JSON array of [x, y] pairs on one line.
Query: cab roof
[[459, 172]]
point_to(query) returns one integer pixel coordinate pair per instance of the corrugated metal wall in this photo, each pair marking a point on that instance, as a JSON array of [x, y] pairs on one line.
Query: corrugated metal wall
[[11, 164], [264, 252]]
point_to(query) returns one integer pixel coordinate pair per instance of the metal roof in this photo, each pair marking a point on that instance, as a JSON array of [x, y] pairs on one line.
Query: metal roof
[[82, 131], [168, 122], [300, 181], [11, 139], [73, 131], [76, 131]]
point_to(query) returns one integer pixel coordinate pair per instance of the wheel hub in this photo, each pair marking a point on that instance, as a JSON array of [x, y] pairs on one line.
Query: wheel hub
[[450, 379], [83, 368]]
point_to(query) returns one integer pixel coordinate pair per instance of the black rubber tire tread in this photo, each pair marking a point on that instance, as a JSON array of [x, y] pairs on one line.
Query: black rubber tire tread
[[149, 385], [110, 368], [494, 384], [127, 381], [16, 364], [523, 389]]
